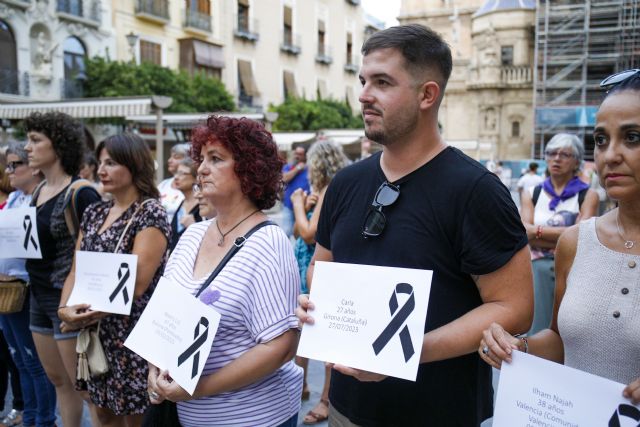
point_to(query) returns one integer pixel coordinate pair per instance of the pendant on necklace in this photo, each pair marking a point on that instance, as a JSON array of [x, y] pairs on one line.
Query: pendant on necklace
[[221, 241], [628, 244]]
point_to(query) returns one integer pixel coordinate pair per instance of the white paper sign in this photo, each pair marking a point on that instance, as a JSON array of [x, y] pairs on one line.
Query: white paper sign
[[536, 392], [19, 233], [368, 317], [105, 280], [175, 333]]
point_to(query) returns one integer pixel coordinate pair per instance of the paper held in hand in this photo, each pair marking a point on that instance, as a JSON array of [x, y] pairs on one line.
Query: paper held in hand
[[175, 333], [368, 317], [19, 234], [104, 280], [536, 392]]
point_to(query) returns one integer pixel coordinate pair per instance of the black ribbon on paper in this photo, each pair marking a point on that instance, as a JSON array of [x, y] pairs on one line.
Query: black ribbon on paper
[[199, 339], [624, 410], [399, 317], [26, 224], [122, 277]]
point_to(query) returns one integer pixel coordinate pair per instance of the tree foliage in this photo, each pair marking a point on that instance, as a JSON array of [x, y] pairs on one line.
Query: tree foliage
[[297, 114], [199, 93]]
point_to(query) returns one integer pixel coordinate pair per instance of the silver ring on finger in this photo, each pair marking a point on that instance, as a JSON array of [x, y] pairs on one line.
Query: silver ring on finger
[[485, 350], [154, 395]]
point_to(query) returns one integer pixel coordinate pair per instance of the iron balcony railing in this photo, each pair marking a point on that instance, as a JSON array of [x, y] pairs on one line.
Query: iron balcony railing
[[154, 8], [14, 82], [198, 20]]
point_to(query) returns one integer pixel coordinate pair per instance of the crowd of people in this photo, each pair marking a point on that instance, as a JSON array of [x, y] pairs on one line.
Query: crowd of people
[[497, 271]]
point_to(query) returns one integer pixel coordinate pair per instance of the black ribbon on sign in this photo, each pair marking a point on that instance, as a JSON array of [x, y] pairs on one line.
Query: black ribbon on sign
[[123, 277], [399, 317], [26, 224], [627, 411], [199, 338]]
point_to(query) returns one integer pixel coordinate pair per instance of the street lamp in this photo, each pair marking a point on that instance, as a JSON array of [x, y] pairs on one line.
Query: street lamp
[[132, 39]]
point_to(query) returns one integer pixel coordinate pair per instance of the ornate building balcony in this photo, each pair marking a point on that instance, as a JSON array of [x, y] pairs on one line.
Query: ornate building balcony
[[516, 75], [197, 20], [86, 11], [13, 82], [153, 10]]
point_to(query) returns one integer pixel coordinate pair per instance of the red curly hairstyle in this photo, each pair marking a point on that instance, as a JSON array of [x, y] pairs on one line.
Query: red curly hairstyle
[[257, 163]]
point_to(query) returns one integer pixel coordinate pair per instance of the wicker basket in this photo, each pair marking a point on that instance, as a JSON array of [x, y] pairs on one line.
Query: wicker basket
[[12, 294]]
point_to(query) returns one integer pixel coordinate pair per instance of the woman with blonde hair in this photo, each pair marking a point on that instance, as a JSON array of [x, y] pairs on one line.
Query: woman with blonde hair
[[324, 159]]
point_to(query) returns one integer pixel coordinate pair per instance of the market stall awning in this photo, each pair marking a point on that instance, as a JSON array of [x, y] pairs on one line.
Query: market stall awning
[[82, 108]]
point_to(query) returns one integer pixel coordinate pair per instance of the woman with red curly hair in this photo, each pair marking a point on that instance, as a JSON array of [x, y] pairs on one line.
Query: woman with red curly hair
[[249, 377]]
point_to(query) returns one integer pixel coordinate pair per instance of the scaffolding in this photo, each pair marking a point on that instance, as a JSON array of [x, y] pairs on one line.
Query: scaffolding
[[578, 43]]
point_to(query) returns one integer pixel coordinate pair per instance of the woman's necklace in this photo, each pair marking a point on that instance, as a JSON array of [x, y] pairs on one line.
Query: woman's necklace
[[627, 243], [223, 235]]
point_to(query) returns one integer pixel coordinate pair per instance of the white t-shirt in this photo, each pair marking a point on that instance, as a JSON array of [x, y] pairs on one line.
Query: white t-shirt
[[170, 197], [528, 181]]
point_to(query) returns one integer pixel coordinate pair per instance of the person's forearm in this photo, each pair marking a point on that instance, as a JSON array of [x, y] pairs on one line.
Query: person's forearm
[[302, 223], [547, 344], [462, 335], [253, 365], [288, 176]]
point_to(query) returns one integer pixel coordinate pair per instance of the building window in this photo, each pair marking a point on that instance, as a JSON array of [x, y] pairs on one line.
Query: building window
[[349, 48], [200, 57], [243, 16], [9, 65], [506, 55], [150, 52], [321, 38], [74, 67], [289, 85], [72, 7], [287, 26], [515, 129], [247, 88], [198, 14]]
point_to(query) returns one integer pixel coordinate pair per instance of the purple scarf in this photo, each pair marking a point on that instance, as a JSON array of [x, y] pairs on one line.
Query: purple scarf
[[573, 187]]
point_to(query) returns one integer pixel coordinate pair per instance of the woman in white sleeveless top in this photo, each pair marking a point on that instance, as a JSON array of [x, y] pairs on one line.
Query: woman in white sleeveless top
[[596, 321], [550, 208]]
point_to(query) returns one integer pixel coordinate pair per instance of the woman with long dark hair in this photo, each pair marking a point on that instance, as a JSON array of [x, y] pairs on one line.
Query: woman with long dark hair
[[133, 222]]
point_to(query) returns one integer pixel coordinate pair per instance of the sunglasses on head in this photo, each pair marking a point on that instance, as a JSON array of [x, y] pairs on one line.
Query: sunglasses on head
[[375, 220], [617, 78]]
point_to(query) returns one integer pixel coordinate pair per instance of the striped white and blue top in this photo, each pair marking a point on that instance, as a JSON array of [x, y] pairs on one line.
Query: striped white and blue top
[[258, 295]]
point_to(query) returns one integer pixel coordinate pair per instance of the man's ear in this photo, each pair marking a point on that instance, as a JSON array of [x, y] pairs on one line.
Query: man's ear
[[429, 94]]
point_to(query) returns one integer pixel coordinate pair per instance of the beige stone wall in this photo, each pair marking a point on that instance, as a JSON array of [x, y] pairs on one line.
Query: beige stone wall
[[267, 59], [483, 98]]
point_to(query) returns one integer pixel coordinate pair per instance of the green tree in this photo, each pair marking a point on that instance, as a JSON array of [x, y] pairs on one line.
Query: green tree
[[199, 93], [296, 114]]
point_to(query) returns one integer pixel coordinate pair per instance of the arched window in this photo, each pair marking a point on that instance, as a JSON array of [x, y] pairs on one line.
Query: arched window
[[9, 63], [74, 67]]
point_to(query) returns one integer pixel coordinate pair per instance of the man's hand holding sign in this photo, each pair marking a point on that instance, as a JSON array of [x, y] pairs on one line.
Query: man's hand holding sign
[[373, 333]]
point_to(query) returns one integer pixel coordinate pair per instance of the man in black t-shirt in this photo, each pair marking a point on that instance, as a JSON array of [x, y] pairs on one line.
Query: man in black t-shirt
[[434, 209]]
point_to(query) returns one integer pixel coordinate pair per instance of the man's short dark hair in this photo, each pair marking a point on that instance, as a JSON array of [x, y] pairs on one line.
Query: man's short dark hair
[[421, 47], [533, 166]]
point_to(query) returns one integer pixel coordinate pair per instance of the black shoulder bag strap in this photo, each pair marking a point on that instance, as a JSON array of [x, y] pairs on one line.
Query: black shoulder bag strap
[[536, 194], [239, 242]]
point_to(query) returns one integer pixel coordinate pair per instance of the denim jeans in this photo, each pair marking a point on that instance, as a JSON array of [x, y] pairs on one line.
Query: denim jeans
[[38, 392], [291, 422]]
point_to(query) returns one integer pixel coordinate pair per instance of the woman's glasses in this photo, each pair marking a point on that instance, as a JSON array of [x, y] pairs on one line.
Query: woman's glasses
[[561, 154], [375, 221], [618, 78], [11, 166]]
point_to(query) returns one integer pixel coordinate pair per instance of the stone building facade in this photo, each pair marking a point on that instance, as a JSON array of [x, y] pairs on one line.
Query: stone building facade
[[43, 44], [488, 107]]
